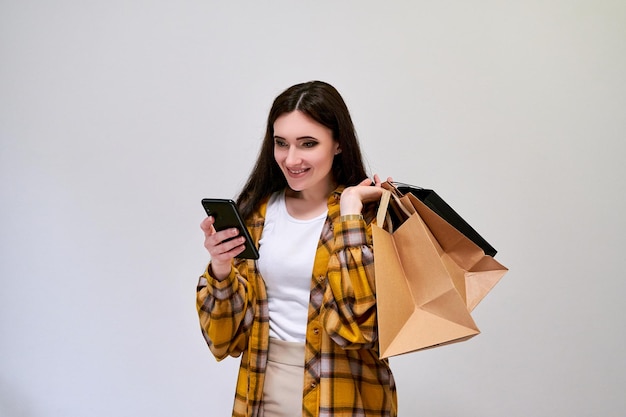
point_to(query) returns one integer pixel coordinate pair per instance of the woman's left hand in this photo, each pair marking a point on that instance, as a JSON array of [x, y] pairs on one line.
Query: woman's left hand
[[353, 198]]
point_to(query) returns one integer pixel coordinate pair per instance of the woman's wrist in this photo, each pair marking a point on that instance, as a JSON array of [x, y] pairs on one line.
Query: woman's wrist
[[221, 274], [350, 203]]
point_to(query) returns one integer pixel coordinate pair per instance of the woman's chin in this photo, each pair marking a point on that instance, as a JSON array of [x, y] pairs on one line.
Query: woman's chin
[[295, 186]]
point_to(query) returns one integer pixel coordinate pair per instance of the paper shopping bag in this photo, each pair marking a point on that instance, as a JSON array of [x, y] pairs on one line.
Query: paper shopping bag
[[418, 304], [423, 296]]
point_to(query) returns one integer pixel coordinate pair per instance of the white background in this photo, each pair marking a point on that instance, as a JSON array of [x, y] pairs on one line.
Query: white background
[[117, 117]]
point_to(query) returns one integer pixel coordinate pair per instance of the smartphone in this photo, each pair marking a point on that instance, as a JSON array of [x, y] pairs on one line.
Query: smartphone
[[227, 215]]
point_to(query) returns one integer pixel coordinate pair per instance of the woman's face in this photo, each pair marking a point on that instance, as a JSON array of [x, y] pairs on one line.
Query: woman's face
[[304, 150]]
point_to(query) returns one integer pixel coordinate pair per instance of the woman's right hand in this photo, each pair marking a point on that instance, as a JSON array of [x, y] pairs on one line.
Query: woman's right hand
[[221, 249]]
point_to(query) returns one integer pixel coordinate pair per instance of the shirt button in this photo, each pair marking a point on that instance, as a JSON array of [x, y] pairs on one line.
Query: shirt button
[[316, 331], [313, 384], [320, 278]]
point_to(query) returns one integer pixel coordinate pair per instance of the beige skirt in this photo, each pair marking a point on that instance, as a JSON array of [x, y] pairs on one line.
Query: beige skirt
[[282, 390]]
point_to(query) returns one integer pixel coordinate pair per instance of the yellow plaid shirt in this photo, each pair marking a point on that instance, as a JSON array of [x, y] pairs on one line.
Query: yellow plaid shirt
[[343, 374]]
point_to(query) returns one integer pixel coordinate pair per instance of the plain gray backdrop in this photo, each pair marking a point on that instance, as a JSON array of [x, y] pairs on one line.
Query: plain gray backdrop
[[117, 117]]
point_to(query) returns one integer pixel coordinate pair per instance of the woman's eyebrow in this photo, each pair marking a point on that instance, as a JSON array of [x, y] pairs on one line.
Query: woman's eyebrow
[[298, 138]]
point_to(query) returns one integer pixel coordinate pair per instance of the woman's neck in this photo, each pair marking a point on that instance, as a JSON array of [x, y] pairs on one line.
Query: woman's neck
[[307, 204]]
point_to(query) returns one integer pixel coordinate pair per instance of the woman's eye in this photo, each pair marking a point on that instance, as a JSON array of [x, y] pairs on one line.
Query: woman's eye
[[280, 143], [309, 144]]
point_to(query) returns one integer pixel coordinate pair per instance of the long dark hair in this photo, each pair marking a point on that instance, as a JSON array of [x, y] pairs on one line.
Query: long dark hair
[[322, 103]]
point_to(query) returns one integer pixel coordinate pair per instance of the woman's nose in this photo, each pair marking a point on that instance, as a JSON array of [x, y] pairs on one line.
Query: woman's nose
[[293, 156]]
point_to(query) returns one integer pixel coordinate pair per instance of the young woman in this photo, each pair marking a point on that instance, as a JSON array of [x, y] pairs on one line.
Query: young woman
[[302, 316]]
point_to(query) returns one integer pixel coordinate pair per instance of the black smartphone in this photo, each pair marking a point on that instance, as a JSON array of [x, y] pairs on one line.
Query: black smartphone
[[227, 215]]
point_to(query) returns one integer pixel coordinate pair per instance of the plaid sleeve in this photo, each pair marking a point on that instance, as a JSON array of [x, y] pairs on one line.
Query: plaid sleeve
[[225, 311], [350, 296]]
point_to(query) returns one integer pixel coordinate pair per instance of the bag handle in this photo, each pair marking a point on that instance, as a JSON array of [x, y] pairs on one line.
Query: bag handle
[[396, 205], [401, 210], [382, 209]]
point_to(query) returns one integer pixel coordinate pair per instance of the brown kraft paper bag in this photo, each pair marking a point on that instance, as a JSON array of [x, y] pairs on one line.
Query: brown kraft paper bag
[[429, 277]]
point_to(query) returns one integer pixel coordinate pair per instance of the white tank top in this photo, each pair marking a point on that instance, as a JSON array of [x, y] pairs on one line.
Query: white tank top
[[286, 255]]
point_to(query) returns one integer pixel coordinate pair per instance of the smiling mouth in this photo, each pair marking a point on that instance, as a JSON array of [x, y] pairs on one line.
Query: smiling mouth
[[296, 171]]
